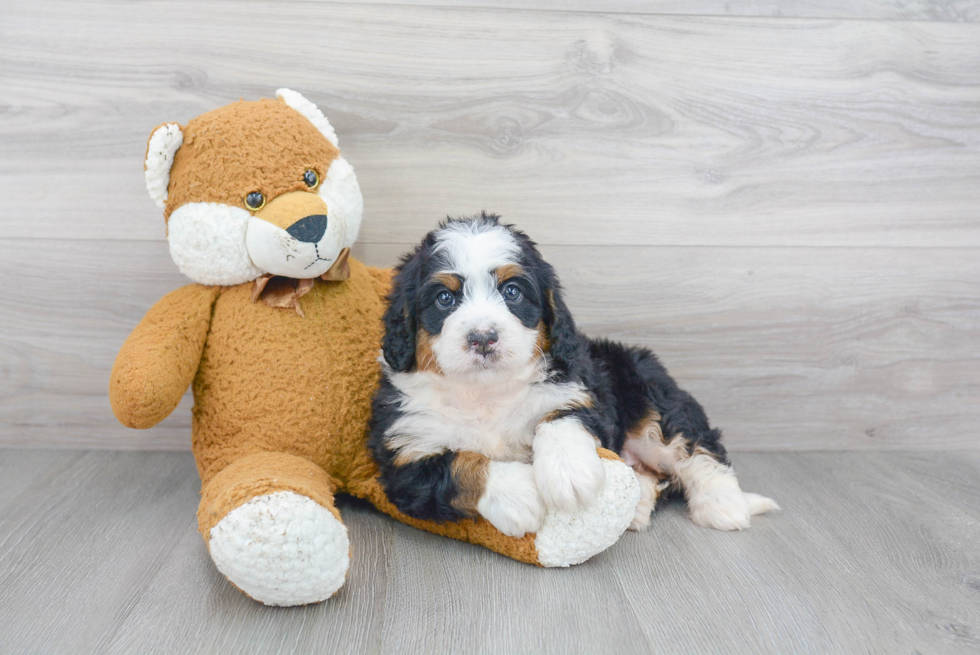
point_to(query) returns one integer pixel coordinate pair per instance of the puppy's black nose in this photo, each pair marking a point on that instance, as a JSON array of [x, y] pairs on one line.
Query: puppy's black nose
[[482, 341], [309, 229]]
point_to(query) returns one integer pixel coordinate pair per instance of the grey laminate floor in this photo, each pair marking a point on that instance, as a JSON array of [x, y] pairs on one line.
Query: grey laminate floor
[[874, 552]]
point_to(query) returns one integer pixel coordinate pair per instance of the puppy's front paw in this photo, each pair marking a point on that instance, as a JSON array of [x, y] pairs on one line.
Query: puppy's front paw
[[567, 468], [511, 501]]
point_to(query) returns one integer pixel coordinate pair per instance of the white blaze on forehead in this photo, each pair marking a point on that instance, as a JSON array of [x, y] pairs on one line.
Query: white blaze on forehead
[[474, 249]]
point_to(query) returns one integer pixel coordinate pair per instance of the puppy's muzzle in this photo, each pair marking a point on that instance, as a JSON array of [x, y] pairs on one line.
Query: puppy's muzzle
[[483, 342]]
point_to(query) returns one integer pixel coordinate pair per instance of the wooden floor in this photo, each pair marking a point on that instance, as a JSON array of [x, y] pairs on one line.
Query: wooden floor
[[874, 552]]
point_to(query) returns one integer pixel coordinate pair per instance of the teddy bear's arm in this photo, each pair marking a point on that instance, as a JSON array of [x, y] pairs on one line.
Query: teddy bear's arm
[[158, 361]]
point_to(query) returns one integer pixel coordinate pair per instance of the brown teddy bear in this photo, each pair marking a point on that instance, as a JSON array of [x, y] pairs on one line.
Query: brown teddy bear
[[280, 337]]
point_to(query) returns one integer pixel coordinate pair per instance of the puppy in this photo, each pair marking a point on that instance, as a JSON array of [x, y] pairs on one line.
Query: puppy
[[493, 404]]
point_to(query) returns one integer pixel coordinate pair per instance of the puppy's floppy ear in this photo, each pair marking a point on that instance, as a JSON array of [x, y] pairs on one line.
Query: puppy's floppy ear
[[562, 335], [564, 342], [401, 325]]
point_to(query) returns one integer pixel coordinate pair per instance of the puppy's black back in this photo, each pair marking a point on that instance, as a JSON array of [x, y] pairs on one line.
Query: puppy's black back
[[630, 383]]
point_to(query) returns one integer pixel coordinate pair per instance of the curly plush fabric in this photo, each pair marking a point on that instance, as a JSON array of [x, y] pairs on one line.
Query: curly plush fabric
[[226, 154]]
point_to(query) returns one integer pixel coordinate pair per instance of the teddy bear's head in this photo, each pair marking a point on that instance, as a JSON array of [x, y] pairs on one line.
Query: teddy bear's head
[[254, 188]]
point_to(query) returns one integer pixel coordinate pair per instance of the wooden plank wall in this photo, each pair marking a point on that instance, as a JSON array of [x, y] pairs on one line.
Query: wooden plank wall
[[781, 198]]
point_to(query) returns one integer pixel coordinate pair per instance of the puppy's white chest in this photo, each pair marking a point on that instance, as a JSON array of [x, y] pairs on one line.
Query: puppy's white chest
[[497, 421]]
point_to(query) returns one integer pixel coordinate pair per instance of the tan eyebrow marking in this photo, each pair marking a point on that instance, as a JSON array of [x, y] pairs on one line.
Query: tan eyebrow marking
[[448, 280], [508, 271]]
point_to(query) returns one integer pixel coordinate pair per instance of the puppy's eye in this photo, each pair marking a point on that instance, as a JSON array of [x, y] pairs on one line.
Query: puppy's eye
[[255, 201], [512, 292], [311, 178], [445, 299]]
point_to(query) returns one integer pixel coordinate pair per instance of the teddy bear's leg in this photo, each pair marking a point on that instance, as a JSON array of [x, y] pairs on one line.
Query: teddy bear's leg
[[565, 538], [272, 529], [571, 537]]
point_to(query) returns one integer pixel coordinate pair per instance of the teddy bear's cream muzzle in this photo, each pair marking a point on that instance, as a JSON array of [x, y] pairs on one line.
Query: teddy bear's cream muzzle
[[295, 236]]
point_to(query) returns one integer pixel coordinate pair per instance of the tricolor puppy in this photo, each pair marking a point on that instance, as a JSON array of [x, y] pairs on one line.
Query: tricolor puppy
[[493, 404]]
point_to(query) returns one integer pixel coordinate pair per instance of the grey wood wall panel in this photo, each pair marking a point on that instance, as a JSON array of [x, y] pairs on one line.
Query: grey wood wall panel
[[658, 158], [873, 552], [788, 348], [585, 128], [929, 10]]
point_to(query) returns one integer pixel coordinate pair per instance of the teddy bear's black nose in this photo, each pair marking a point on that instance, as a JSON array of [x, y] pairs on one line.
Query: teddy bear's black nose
[[309, 229]]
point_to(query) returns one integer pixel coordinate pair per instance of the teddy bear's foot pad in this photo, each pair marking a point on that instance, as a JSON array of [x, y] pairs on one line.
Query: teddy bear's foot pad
[[568, 538], [282, 549]]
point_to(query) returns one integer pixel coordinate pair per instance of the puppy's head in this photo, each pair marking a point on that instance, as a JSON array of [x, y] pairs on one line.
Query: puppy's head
[[476, 301]]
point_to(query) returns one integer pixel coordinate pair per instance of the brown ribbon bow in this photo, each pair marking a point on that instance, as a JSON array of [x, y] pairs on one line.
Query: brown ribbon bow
[[285, 292]]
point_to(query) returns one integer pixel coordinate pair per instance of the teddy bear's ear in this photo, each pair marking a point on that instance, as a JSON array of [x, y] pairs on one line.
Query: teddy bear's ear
[[160, 150], [310, 111]]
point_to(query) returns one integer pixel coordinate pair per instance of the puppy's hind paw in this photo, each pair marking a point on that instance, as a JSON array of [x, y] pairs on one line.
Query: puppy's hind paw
[[640, 522], [760, 504], [722, 510]]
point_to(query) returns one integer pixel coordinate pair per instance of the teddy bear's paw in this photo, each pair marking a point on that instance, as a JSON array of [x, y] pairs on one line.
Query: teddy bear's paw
[[568, 538], [282, 549]]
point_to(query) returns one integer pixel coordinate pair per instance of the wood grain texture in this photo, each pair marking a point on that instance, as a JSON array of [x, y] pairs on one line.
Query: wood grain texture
[[105, 523], [873, 552], [787, 348], [585, 128], [929, 10], [783, 207]]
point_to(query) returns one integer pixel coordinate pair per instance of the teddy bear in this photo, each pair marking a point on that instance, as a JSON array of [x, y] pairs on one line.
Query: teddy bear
[[280, 335]]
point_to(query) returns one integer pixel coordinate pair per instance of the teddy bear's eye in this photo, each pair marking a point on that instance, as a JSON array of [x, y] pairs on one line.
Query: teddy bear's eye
[[255, 201], [311, 178]]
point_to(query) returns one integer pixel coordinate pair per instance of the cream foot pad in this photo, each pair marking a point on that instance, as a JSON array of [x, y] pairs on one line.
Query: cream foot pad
[[282, 549]]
